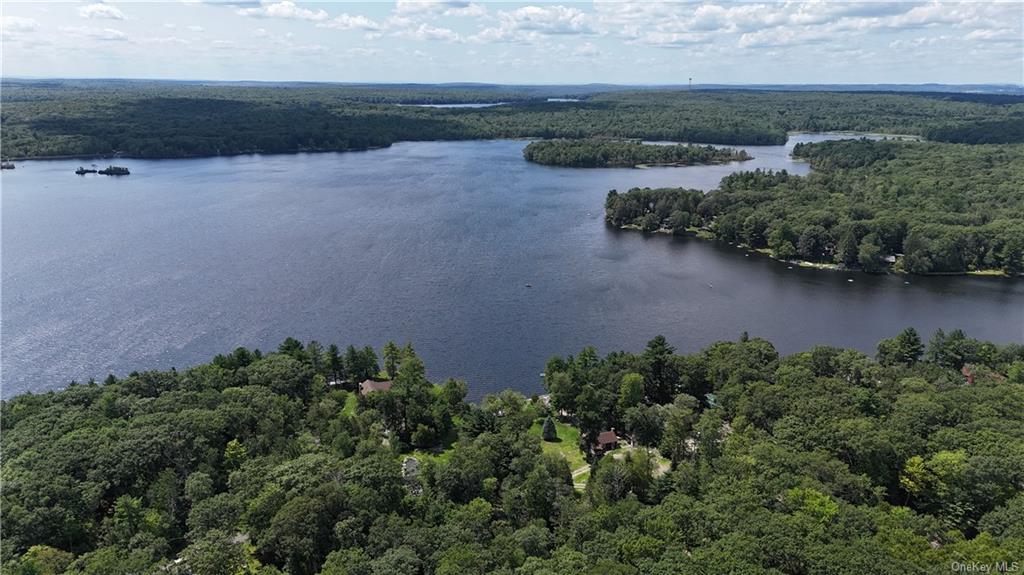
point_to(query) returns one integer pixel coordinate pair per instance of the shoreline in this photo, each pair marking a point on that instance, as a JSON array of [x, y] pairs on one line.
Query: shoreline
[[643, 166], [705, 235], [114, 155]]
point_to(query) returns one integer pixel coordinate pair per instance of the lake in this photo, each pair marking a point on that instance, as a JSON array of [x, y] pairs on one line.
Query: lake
[[428, 242]]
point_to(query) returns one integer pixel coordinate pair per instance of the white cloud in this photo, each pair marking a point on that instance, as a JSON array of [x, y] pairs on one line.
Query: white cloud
[[529, 23], [781, 37], [16, 24], [676, 39], [101, 11], [428, 32], [286, 9], [195, 28], [166, 40], [223, 44], [444, 7], [106, 34], [362, 52], [351, 22], [990, 35], [587, 49]]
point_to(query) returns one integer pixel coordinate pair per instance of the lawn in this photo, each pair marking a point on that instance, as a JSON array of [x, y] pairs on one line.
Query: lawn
[[349, 408], [661, 464], [568, 444]]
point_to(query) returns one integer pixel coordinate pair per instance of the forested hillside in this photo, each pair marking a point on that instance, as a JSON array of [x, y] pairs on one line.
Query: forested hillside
[[733, 459], [877, 205], [597, 153], [166, 119]]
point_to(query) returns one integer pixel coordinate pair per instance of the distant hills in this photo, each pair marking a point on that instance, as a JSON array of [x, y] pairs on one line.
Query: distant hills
[[547, 90]]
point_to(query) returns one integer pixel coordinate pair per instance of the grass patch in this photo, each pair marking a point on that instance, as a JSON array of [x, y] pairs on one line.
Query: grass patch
[[568, 444], [443, 451], [349, 409]]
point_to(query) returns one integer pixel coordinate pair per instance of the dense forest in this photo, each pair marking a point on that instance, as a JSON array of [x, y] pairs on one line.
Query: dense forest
[[919, 207], [169, 119], [734, 459], [598, 153]]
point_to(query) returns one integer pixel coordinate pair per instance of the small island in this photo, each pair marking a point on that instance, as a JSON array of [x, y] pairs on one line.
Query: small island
[[83, 171], [601, 153], [114, 171]]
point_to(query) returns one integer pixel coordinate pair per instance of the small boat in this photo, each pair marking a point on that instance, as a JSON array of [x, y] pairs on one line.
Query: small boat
[[529, 285], [82, 171], [6, 165]]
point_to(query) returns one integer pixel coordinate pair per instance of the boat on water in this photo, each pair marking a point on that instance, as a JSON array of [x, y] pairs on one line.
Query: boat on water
[[114, 171], [6, 165], [82, 171]]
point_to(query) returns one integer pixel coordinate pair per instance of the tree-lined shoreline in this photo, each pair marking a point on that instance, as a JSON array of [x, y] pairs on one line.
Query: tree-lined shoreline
[[878, 206], [169, 120], [599, 153], [649, 462]]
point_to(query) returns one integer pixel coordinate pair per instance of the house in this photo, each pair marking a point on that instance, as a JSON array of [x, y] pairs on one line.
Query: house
[[968, 374], [606, 441], [370, 386]]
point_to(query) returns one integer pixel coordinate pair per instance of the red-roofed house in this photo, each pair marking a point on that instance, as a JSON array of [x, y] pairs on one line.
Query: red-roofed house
[[370, 386], [606, 441]]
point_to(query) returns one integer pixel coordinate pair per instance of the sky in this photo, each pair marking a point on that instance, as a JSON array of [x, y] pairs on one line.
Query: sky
[[814, 41]]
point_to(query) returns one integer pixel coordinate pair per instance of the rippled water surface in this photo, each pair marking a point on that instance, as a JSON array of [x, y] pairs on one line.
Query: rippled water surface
[[429, 242]]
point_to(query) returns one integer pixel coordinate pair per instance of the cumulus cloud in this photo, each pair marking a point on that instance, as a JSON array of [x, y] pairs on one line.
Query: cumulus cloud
[[529, 23], [443, 7], [351, 22], [100, 12], [285, 9], [428, 32]]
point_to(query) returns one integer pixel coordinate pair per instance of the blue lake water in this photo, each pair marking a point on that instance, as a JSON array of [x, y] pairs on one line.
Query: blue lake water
[[428, 242]]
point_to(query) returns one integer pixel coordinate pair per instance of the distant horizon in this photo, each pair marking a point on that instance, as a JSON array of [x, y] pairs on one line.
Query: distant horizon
[[503, 84]]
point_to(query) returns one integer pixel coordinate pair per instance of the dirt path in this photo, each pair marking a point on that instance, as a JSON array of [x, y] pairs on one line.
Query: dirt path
[[577, 473]]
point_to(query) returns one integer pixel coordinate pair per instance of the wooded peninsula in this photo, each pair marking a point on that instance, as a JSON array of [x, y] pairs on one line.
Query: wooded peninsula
[[918, 207], [150, 119], [734, 459], [598, 153]]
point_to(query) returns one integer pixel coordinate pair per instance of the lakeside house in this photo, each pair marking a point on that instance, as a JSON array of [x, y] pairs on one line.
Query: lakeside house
[[370, 386], [606, 441]]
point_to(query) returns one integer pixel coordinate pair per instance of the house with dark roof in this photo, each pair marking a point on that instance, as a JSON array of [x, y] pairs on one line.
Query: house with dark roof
[[606, 441], [370, 386]]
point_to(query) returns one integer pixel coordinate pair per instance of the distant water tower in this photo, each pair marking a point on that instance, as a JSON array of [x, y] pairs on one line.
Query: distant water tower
[[691, 84]]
